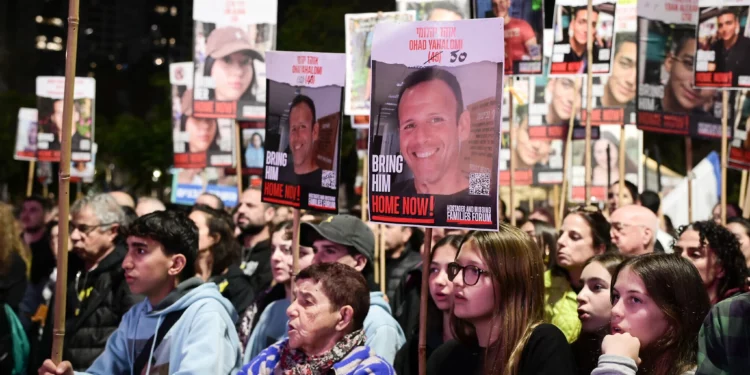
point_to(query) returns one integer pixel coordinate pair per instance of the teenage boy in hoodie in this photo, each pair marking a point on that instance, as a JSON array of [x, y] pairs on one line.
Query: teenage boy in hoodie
[[346, 239], [183, 325]]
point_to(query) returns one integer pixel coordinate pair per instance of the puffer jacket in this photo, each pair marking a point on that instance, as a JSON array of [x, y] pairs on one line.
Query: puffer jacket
[[97, 301], [561, 306]]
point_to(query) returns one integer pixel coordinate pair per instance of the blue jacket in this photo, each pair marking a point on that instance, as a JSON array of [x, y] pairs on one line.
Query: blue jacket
[[360, 361], [202, 341], [273, 326], [384, 334]]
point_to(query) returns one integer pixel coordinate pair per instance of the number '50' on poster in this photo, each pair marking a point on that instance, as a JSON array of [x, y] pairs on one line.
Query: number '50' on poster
[[435, 123]]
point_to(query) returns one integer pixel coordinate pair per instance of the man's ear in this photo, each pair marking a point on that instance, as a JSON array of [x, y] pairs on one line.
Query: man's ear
[[315, 131], [406, 233], [648, 237], [346, 314], [361, 262], [668, 63], [113, 231], [269, 213], [178, 264], [464, 126]]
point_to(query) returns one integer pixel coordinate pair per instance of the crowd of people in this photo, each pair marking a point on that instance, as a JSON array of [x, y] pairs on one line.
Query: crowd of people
[[211, 290]]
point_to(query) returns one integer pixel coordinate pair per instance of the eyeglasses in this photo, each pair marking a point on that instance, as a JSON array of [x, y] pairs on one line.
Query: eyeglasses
[[85, 229], [687, 61], [471, 273]]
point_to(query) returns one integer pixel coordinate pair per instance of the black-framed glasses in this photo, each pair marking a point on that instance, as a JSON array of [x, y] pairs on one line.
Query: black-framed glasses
[[471, 273], [83, 228]]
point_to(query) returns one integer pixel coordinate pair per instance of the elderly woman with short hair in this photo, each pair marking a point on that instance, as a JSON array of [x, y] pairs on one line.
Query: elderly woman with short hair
[[325, 328]]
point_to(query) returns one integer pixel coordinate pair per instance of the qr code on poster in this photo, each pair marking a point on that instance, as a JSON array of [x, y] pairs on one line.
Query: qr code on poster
[[329, 179], [479, 184]]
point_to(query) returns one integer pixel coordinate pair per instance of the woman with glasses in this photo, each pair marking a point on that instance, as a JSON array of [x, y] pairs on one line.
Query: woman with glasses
[[584, 233], [273, 322], [498, 311], [438, 307]]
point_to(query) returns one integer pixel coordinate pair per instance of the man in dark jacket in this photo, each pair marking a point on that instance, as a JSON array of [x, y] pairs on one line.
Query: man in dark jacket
[[402, 254], [98, 296], [252, 217]]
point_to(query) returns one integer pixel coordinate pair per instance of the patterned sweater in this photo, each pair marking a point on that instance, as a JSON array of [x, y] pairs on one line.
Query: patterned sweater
[[360, 361]]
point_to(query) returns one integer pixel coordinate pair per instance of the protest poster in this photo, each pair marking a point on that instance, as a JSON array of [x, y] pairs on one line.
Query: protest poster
[[49, 92], [303, 129], [253, 145], [358, 41], [739, 145], [524, 32], [84, 171], [26, 133], [552, 102], [613, 96], [723, 44], [435, 133], [44, 172], [609, 140], [667, 101], [188, 184], [437, 10], [570, 34], [198, 141], [231, 40]]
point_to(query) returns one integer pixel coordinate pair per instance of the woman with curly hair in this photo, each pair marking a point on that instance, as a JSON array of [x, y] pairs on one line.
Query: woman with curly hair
[[716, 254]]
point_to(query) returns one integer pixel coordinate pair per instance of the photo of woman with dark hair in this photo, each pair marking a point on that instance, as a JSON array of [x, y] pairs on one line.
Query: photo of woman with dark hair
[[230, 63]]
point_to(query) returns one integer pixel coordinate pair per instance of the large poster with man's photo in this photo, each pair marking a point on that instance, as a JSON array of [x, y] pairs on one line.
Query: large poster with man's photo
[[570, 35], [605, 162], [613, 96], [198, 142], [231, 39], [358, 41], [524, 32], [303, 129], [538, 161], [49, 93], [723, 56], [435, 123], [26, 133], [668, 102], [552, 103]]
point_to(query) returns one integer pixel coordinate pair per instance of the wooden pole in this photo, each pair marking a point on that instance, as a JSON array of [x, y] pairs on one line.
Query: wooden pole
[[238, 157], [511, 146], [30, 179], [365, 193], [295, 246], [621, 167], [381, 238], [589, 82], [746, 207], [422, 349], [724, 114], [556, 203], [743, 189], [61, 290], [45, 190], [689, 174], [376, 267], [566, 161]]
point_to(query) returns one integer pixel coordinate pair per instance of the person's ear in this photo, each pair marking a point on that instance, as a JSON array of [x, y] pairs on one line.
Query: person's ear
[[361, 262], [112, 232], [648, 236], [177, 265], [216, 237], [406, 233], [464, 126], [346, 316], [601, 249], [315, 131], [269, 213]]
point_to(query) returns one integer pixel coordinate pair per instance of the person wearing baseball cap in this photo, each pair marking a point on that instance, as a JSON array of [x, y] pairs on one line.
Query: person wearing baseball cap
[[348, 240], [229, 62]]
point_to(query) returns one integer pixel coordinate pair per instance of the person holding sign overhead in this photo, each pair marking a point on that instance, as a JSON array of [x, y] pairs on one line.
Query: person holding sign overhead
[[432, 125]]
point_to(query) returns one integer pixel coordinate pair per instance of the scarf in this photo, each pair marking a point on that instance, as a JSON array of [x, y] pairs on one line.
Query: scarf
[[295, 362]]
